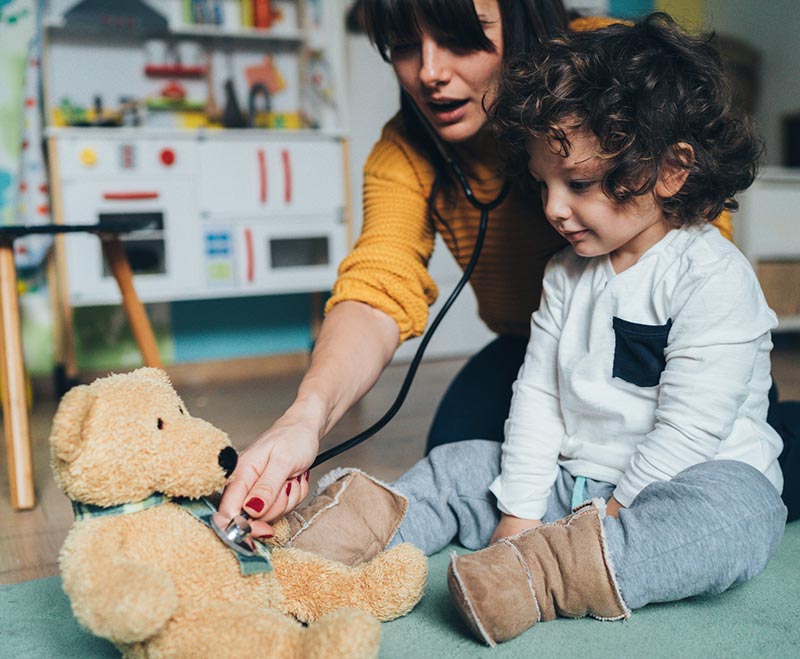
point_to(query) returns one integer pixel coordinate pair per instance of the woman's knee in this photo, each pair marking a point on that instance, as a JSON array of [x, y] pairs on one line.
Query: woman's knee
[[476, 402]]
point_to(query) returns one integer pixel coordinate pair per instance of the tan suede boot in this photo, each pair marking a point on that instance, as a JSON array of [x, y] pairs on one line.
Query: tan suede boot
[[350, 519], [559, 569]]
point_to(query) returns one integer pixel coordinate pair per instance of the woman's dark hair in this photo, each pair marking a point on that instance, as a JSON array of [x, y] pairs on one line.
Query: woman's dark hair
[[641, 90], [525, 24]]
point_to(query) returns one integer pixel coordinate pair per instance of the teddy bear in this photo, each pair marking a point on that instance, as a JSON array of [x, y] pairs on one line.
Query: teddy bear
[[142, 569]]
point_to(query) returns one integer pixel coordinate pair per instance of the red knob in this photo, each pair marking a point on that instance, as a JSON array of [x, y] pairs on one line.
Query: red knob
[[167, 156]]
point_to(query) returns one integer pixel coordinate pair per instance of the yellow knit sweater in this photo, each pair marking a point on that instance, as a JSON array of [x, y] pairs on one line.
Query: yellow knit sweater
[[387, 268]]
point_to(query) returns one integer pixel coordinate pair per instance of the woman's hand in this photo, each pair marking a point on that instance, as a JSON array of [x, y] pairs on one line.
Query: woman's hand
[[271, 476], [510, 525], [354, 345]]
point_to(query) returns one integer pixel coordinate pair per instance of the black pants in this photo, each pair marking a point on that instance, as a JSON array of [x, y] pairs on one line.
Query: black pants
[[475, 406]]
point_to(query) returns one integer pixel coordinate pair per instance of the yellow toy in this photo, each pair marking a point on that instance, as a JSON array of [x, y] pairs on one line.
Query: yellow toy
[[142, 571]]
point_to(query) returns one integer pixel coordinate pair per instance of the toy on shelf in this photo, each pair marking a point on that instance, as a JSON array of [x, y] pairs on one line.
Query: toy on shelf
[[122, 16], [71, 114], [181, 60]]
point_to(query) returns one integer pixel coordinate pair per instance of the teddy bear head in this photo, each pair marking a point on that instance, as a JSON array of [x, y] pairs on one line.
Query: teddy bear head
[[127, 436]]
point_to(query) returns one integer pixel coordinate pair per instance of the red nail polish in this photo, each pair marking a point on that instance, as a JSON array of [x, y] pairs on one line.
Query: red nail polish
[[308, 475], [267, 536], [299, 478], [288, 488], [255, 504]]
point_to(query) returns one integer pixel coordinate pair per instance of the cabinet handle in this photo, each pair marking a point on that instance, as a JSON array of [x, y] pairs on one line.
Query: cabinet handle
[[262, 176], [129, 196], [287, 176], [248, 248]]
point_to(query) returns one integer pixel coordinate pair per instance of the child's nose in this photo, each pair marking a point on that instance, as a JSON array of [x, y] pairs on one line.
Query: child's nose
[[556, 208]]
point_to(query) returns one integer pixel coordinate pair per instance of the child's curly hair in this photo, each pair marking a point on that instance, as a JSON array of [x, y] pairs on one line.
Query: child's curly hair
[[641, 90]]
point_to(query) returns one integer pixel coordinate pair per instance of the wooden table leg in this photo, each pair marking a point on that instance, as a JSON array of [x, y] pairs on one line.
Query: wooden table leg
[[137, 316], [12, 372], [64, 334]]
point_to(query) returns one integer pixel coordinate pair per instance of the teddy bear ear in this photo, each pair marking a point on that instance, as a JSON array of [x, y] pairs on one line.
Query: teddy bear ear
[[66, 437], [153, 374]]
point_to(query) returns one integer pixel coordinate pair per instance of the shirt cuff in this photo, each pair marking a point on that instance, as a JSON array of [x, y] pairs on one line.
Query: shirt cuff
[[626, 491], [516, 500]]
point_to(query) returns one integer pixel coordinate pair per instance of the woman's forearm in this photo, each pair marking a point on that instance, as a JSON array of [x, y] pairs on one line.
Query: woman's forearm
[[354, 345]]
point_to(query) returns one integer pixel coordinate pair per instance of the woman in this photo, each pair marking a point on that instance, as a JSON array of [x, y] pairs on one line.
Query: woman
[[447, 56]]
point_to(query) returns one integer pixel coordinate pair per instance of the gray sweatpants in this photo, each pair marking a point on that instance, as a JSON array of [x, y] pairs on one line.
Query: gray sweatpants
[[712, 526]]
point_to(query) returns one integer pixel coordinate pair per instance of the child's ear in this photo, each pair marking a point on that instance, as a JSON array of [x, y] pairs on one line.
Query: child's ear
[[675, 171]]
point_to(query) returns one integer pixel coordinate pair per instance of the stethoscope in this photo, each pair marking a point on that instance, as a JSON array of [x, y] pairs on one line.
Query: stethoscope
[[237, 533]]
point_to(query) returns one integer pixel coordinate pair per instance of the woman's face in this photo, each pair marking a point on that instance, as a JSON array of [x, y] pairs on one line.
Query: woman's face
[[449, 84]]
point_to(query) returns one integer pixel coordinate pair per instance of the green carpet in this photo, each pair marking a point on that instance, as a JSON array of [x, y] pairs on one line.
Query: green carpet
[[758, 619]]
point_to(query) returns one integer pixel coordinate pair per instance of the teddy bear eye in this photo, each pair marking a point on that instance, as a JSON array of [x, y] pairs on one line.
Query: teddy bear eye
[[160, 423], [180, 409]]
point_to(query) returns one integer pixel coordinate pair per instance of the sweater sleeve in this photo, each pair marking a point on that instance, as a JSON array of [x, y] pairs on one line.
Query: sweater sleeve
[[716, 336], [725, 224], [387, 268], [534, 430]]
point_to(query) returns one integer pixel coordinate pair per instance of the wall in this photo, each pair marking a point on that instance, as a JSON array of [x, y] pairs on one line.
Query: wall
[[773, 27]]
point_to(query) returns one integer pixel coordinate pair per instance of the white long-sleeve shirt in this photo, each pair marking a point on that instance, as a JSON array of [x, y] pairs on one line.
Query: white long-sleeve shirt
[[630, 378]]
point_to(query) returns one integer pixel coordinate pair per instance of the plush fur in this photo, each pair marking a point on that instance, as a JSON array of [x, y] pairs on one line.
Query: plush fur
[[158, 583]]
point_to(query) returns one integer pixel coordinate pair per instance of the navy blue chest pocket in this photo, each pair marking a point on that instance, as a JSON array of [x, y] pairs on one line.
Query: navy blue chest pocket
[[639, 351]]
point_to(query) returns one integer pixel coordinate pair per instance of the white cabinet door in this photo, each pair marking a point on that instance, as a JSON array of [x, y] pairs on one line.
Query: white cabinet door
[[766, 224], [247, 178], [284, 257], [165, 258], [311, 176]]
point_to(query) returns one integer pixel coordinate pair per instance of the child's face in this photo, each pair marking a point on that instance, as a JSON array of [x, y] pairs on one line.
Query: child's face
[[577, 207]]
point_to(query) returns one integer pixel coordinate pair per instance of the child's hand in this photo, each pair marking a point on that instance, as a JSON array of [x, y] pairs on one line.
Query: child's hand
[[613, 507], [510, 525]]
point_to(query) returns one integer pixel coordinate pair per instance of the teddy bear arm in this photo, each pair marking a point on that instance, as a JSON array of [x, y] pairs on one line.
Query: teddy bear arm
[[123, 600]]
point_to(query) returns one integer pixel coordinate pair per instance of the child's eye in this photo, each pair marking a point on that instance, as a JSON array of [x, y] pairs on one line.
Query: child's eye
[[580, 186]]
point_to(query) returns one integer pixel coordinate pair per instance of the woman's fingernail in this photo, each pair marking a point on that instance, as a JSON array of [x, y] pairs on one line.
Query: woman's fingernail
[[308, 475], [299, 478], [288, 488], [267, 536], [255, 504]]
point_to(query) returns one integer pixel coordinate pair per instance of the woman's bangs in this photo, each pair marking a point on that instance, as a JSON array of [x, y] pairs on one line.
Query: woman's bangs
[[452, 22]]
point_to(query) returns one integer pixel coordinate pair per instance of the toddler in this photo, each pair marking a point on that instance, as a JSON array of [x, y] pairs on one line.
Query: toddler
[[637, 465]]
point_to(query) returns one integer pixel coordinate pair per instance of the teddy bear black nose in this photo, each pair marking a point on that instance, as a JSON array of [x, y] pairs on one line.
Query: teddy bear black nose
[[227, 460]]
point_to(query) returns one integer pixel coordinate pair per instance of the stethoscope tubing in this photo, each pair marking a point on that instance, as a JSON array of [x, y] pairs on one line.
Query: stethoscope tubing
[[484, 209]]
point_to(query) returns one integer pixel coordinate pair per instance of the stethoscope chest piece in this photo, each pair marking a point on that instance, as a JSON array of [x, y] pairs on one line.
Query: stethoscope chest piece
[[236, 534]]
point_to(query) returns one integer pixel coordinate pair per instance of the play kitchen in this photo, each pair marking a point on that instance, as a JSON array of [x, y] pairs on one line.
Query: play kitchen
[[231, 212], [214, 125]]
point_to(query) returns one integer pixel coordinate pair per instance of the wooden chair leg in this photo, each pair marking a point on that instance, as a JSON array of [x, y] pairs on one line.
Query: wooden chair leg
[[137, 316], [12, 372]]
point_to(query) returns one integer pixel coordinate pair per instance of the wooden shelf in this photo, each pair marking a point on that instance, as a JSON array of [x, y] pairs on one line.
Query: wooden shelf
[[174, 71], [254, 34]]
